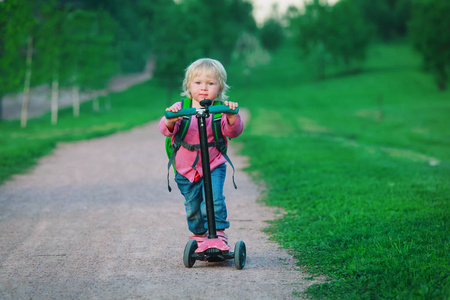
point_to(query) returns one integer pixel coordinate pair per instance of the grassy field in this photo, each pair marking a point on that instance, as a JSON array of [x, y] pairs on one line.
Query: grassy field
[[359, 162]]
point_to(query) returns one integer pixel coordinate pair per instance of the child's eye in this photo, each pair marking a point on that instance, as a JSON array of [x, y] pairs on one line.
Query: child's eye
[[211, 83]]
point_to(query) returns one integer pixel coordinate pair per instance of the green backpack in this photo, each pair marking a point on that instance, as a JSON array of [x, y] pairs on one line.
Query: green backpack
[[219, 140]]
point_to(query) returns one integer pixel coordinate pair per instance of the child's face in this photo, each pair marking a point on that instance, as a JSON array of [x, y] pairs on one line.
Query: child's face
[[204, 86]]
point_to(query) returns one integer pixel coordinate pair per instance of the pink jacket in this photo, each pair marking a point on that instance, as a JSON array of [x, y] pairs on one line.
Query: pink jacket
[[185, 158]]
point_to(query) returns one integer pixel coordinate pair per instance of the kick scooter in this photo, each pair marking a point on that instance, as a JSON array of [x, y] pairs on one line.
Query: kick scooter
[[213, 249]]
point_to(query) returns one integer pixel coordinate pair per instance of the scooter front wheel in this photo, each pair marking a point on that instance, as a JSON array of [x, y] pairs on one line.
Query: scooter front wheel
[[189, 251], [240, 255]]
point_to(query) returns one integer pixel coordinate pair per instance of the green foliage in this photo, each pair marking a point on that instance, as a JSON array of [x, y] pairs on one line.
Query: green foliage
[[76, 45], [211, 30], [132, 38], [349, 39], [227, 20], [429, 31], [98, 61], [21, 147], [84, 43], [271, 35], [364, 182], [132, 31], [220, 25], [388, 18], [331, 34], [16, 26], [174, 48], [50, 45]]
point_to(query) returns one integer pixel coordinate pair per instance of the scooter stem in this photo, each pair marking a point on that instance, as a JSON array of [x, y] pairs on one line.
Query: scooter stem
[[201, 117]]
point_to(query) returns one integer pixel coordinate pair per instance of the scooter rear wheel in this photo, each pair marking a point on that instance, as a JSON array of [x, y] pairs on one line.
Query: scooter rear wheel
[[189, 250], [240, 255]]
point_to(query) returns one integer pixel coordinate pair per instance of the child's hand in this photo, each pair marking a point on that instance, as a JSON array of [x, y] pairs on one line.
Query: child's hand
[[170, 123], [230, 116]]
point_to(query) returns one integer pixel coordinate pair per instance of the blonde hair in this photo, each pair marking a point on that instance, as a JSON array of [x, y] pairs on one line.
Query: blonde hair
[[209, 67]]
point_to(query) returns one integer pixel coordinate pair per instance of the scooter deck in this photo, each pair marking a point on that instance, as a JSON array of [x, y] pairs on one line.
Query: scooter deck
[[213, 250], [216, 243]]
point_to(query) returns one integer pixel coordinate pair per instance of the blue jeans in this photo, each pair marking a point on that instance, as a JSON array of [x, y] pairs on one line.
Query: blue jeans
[[194, 194]]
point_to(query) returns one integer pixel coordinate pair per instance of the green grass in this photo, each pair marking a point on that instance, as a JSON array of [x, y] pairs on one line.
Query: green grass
[[360, 163], [21, 147]]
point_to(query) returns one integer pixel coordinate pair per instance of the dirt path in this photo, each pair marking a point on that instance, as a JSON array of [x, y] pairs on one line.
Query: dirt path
[[94, 220]]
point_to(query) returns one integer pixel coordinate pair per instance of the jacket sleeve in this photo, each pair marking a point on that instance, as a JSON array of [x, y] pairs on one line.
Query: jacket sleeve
[[232, 131], [163, 128]]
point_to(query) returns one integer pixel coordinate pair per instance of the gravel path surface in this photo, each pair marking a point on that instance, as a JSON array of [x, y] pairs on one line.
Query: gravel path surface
[[94, 220]]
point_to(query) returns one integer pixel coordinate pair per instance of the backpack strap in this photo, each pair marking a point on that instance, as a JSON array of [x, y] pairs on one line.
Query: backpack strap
[[179, 139], [219, 140]]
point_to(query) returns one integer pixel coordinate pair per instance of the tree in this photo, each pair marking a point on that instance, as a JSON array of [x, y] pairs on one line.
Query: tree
[[27, 80], [271, 34], [16, 24], [331, 34], [51, 47], [94, 60], [173, 48], [388, 18], [348, 34], [193, 29], [429, 28], [229, 18], [131, 33]]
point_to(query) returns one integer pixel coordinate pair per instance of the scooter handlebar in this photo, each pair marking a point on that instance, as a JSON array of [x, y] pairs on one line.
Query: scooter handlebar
[[192, 111]]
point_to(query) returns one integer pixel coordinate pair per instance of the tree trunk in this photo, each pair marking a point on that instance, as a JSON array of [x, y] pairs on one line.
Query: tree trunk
[[1, 107], [95, 103], [76, 101], [55, 92], [108, 102], [54, 103], [26, 88], [440, 75]]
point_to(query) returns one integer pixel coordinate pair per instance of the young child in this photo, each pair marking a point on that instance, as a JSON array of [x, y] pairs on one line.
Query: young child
[[204, 79]]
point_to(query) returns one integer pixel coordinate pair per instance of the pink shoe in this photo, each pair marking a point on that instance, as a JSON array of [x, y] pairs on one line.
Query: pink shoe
[[223, 236], [200, 238]]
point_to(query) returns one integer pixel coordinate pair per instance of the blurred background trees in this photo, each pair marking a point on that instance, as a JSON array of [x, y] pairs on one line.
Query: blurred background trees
[[16, 26], [387, 18], [430, 27], [272, 34], [341, 34], [83, 43], [331, 34]]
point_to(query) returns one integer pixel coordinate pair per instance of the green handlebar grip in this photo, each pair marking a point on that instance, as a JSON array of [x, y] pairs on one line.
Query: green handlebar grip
[[192, 111], [222, 109], [183, 112]]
